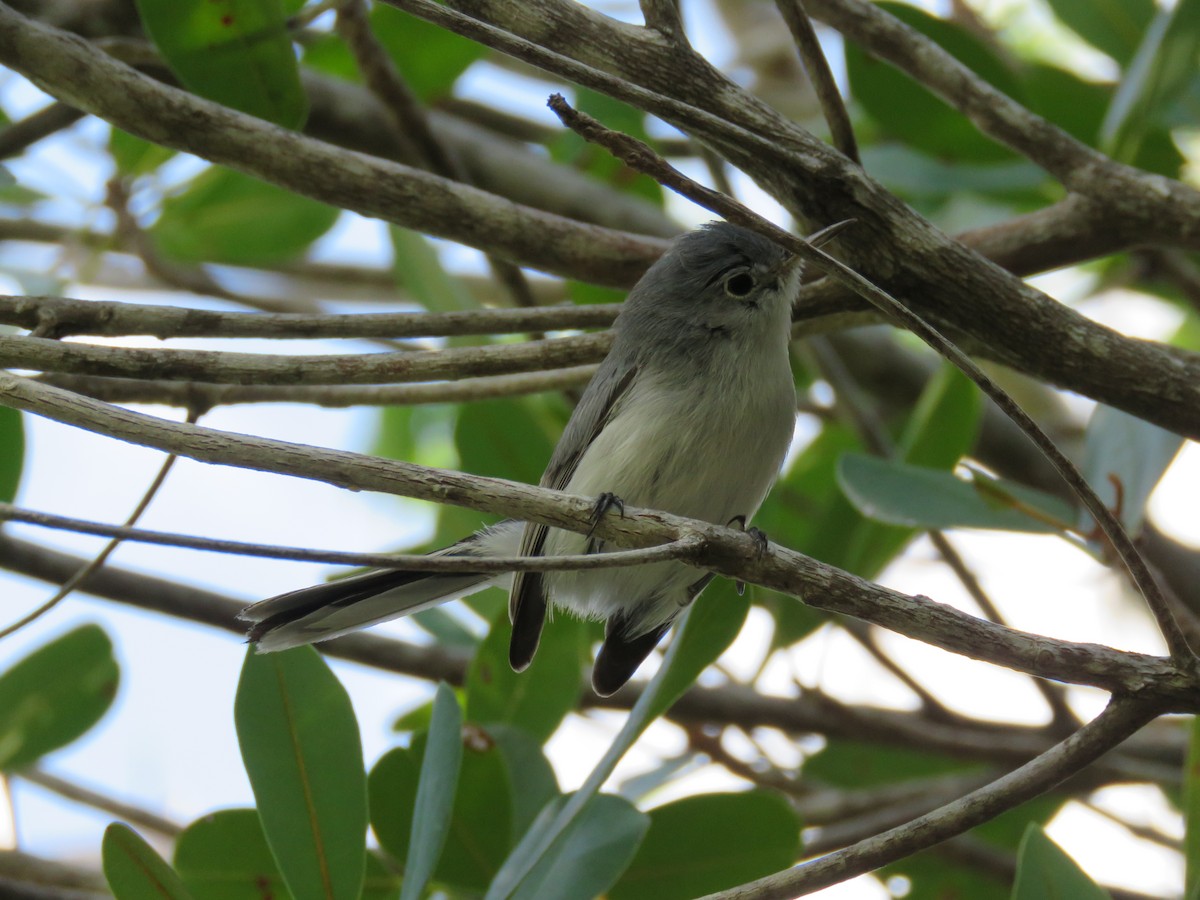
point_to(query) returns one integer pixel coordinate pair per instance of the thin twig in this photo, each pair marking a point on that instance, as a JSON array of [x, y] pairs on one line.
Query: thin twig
[[126, 812], [260, 368], [821, 77], [208, 396], [95, 564], [105, 317], [639, 156], [17, 136], [686, 547]]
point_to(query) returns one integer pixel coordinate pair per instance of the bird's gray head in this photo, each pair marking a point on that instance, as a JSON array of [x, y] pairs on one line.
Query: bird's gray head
[[718, 282]]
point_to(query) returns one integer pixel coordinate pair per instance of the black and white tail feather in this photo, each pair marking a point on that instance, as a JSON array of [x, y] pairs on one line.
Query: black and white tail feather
[[691, 413]]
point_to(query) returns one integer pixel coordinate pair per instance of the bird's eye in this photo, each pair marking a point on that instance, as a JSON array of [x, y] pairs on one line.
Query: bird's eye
[[739, 284]]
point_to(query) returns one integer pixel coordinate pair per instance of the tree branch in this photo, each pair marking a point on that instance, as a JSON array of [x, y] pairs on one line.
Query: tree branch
[[727, 551]]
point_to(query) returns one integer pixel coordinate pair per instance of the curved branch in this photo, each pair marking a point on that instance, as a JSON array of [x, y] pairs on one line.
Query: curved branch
[[1122, 718]]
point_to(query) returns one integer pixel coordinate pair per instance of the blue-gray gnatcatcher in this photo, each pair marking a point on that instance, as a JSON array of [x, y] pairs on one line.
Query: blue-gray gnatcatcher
[[691, 413]]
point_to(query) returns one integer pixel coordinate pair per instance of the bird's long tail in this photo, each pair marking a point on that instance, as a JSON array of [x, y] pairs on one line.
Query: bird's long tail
[[335, 608]]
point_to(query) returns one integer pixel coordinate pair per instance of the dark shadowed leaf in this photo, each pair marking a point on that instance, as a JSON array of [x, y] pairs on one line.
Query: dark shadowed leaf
[[481, 818], [55, 694], [1161, 71], [538, 699], [134, 871], [1045, 872], [1191, 811], [436, 788], [590, 855], [710, 842], [226, 217], [301, 748], [224, 856], [12, 452], [909, 112], [530, 774], [236, 52]]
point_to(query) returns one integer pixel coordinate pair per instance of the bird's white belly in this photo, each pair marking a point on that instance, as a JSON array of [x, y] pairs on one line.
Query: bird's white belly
[[687, 454]]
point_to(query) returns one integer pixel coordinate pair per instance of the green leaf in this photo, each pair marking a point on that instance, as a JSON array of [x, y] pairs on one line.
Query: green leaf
[[445, 628], [690, 849], [1161, 71], [715, 620], [1133, 451], [537, 699], [590, 854], [133, 156], [907, 111], [55, 694], [419, 269], [939, 432], [302, 752], [530, 774], [134, 871], [236, 52], [508, 438], [12, 452], [429, 57], [480, 822], [902, 494], [1112, 26], [856, 764], [1191, 811], [436, 788], [693, 648], [224, 856], [226, 217], [1045, 872]]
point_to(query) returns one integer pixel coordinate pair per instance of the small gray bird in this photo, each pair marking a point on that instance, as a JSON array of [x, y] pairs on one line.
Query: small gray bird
[[691, 413]]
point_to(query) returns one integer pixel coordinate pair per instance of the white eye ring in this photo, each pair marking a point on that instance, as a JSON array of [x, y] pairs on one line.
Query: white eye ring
[[739, 285]]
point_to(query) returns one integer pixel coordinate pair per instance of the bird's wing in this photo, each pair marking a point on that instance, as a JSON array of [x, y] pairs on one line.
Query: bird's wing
[[527, 600]]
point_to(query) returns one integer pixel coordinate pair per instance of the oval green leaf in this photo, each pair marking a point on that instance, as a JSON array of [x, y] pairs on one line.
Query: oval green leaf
[[901, 494], [236, 52], [302, 752], [134, 871], [226, 217], [480, 828], [691, 849], [224, 856], [1045, 872], [590, 855], [538, 699], [55, 694]]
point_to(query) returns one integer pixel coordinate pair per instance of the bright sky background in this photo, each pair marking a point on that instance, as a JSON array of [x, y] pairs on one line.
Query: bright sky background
[[168, 743]]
